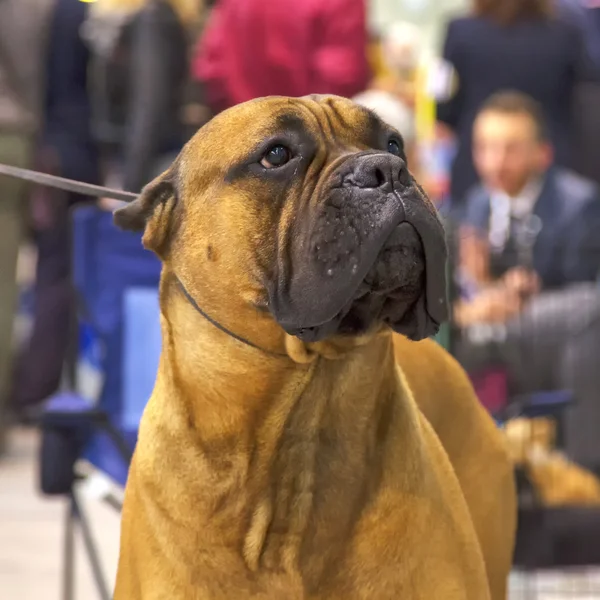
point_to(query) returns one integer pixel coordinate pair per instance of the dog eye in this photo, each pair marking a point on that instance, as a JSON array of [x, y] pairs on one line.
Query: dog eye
[[393, 147], [277, 156]]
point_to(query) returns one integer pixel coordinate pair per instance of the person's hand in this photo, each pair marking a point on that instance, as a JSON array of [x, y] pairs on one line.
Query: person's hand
[[522, 281], [497, 304], [110, 204]]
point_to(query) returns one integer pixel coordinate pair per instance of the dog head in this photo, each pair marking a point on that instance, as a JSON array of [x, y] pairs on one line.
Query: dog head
[[302, 209]]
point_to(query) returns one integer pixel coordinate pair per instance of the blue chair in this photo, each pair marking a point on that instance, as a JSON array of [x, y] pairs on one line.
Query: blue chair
[[116, 284], [137, 355], [539, 404]]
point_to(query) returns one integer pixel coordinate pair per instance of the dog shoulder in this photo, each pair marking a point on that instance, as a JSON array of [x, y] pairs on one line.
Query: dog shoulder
[[444, 394], [439, 384], [480, 458]]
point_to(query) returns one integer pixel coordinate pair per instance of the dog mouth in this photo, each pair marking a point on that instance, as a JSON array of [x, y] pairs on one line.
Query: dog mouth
[[372, 255], [400, 265], [392, 287], [389, 293]]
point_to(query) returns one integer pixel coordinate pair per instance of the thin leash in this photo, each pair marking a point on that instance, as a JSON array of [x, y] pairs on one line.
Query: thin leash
[[98, 191], [68, 185]]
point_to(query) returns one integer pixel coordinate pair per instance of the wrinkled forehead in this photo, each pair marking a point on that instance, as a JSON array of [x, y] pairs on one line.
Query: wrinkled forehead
[[328, 120]]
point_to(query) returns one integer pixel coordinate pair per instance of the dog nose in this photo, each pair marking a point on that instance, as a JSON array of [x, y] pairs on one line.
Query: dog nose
[[379, 171]]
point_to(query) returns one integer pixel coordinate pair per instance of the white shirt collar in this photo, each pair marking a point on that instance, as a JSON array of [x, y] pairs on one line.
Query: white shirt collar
[[503, 208], [522, 204]]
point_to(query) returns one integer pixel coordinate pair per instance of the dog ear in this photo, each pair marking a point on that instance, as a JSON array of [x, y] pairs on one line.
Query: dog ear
[[151, 212]]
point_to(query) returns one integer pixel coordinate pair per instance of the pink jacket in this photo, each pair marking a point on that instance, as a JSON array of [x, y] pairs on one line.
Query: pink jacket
[[254, 48]]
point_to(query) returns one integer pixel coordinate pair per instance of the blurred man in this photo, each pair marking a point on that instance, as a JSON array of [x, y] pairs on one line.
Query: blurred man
[[23, 28], [528, 225], [253, 48], [528, 269]]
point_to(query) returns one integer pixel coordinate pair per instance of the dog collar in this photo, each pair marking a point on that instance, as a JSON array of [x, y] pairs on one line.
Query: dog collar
[[218, 325]]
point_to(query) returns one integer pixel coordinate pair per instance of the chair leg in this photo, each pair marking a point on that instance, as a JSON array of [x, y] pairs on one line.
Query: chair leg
[[118, 440], [69, 552], [92, 552], [114, 503]]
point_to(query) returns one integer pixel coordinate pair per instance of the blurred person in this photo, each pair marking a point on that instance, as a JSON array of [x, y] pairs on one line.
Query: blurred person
[[252, 48], [511, 44], [23, 31], [578, 12], [139, 75], [65, 148], [196, 112], [400, 53], [399, 93], [526, 212], [586, 14], [529, 262]]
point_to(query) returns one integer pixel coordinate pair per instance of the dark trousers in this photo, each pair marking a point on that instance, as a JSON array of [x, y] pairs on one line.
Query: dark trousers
[[554, 345], [40, 365]]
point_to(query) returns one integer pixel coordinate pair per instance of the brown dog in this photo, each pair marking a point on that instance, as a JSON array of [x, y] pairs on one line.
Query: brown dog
[[282, 455], [476, 450]]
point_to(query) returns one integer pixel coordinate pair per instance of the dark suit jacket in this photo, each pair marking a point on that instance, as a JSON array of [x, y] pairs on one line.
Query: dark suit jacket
[[586, 20], [157, 75], [567, 249], [542, 58], [67, 118]]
